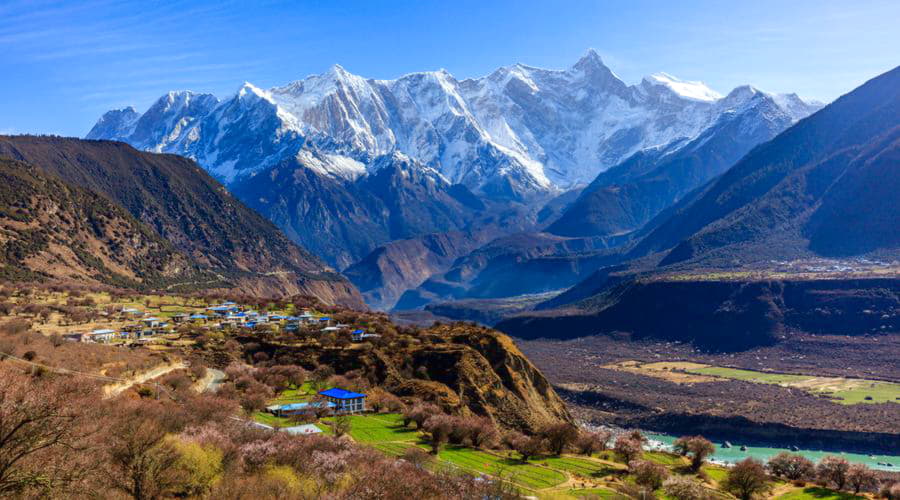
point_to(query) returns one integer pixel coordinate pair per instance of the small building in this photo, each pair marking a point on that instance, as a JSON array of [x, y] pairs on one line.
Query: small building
[[357, 335], [331, 329], [297, 408], [239, 318], [103, 335], [220, 310], [180, 318], [345, 401], [199, 318], [74, 337], [151, 322], [131, 311], [302, 429]]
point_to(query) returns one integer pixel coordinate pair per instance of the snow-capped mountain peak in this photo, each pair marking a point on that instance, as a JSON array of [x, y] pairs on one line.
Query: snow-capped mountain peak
[[693, 90], [518, 131]]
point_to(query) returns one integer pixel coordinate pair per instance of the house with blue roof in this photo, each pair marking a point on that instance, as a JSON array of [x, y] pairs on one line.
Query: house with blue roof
[[345, 401]]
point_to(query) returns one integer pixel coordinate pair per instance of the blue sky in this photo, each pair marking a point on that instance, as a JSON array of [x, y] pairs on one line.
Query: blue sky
[[65, 63]]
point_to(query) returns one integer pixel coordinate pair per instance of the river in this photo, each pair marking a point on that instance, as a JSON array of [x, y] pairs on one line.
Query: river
[[734, 454]]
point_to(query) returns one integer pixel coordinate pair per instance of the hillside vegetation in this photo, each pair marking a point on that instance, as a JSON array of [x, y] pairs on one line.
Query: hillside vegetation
[[180, 203]]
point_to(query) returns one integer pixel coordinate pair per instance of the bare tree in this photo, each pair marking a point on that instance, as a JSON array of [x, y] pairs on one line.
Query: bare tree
[[832, 469], [629, 449], [559, 436], [141, 463], [746, 479], [860, 477], [43, 433], [589, 442]]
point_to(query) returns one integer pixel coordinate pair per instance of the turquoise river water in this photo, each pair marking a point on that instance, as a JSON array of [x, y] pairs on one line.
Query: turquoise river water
[[734, 454]]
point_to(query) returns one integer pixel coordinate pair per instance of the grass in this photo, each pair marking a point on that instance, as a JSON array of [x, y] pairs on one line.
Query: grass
[[523, 474], [750, 375], [666, 459], [269, 419], [294, 395], [592, 493], [369, 429], [393, 449], [816, 493], [843, 390], [717, 474], [577, 466], [880, 392]]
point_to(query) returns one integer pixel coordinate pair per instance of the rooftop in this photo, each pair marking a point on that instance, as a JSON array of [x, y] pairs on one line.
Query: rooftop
[[302, 429], [338, 393]]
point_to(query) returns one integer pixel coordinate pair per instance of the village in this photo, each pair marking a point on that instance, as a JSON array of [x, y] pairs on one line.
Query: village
[[144, 327]]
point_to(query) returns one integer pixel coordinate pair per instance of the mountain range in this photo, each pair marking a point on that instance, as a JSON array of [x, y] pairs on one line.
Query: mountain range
[[345, 164], [800, 233]]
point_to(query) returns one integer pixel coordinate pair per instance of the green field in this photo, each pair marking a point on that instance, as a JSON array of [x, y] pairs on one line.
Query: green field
[[815, 493], [480, 462], [393, 449], [880, 392], [578, 466], [750, 375], [717, 474], [386, 428], [666, 459], [593, 492], [843, 390], [294, 395]]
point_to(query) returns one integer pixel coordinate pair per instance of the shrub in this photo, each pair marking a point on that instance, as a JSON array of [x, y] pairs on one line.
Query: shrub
[[791, 466], [420, 413], [628, 448], [341, 425], [648, 474], [438, 427], [697, 447], [559, 437], [200, 466], [589, 442], [526, 446], [417, 456], [684, 488]]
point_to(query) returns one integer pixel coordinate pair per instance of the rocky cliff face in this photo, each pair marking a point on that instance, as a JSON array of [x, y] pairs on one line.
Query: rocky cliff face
[[465, 369]]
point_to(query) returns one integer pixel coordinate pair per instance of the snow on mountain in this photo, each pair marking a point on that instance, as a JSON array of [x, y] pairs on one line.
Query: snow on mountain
[[117, 124], [697, 91], [516, 132]]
